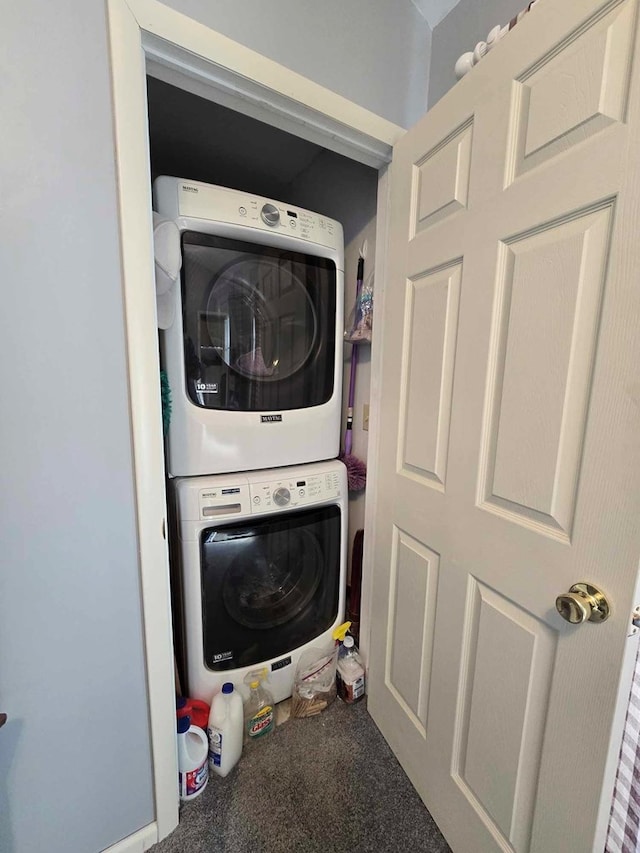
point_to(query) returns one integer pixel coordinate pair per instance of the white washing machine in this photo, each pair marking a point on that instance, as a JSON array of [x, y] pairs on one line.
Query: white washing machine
[[261, 562], [254, 354]]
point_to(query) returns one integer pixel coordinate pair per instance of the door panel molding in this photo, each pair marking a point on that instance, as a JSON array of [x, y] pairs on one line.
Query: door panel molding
[[548, 373], [412, 605], [548, 116], [516, 656], [429, 341]]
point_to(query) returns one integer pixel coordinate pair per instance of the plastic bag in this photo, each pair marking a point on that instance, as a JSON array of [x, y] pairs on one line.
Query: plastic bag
[[360, 320], [314, 688]]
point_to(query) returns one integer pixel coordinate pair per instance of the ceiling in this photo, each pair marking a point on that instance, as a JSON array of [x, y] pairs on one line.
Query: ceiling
[[217, 145], [193, 137], [433, 11]]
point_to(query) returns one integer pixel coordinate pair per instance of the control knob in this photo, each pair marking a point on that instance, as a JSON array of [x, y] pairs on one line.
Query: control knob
[[270, 214], [281, 496]]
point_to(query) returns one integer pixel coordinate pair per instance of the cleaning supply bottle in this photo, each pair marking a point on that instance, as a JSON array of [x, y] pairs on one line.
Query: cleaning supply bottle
[[193, 769], [259, 711], [225, 730], [194, 708], [351, 672]]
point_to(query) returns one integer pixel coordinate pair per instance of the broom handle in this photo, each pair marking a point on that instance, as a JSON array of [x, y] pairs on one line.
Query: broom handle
[[348, 439]]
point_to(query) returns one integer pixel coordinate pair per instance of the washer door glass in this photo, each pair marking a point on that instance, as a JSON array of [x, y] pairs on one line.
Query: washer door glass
[[268, 586], [259, 325], [271, 581]]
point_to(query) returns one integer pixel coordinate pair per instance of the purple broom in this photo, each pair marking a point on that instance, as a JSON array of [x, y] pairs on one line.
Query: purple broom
[[356, 468]]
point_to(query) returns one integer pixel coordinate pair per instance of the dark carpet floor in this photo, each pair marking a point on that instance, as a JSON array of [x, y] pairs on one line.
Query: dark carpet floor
[[324, 784]]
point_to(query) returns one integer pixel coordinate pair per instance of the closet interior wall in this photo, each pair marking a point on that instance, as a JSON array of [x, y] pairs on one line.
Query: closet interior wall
[[193, 137]]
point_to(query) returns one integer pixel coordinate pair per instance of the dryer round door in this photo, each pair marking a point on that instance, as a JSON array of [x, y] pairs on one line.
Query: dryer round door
[[269, 319], [258, 325]]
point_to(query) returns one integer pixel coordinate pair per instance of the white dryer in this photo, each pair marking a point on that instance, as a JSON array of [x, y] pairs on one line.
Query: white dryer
[[254, 353], [261, 560]]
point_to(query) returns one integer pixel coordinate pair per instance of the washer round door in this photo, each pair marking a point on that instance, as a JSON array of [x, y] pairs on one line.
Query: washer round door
[[268, 586], [275, 581], [259, 325]]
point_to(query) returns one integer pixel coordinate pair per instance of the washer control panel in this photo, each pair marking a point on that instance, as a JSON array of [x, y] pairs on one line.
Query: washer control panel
[[224, 501], [285, 494], [175, 197], [225, 496]]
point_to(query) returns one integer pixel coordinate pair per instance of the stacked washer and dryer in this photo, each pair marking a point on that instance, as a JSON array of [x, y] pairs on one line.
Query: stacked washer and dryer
[[253, 356]]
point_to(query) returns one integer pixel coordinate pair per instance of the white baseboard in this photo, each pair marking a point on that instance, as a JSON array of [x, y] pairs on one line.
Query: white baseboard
[[139, 842]]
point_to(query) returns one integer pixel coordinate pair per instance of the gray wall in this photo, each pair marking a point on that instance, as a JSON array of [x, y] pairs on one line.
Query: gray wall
[[467, 24], [374, 52], [75, 766]]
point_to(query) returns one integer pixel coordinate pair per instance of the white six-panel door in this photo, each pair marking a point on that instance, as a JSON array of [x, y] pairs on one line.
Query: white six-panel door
[[509, 462]]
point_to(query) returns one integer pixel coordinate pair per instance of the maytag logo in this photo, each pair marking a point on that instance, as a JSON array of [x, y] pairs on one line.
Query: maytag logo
[[188, 189], [270, 419]]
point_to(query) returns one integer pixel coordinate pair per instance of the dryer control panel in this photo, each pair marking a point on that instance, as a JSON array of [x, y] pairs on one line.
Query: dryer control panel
[[177, 197]]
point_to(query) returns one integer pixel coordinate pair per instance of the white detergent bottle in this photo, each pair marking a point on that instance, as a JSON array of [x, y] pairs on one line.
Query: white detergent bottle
[[225, 730], [193, 769]]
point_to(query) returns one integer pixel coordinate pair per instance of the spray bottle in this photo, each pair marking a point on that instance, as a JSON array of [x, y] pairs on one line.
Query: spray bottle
[[350, 675], [340, 632], [259, 710]]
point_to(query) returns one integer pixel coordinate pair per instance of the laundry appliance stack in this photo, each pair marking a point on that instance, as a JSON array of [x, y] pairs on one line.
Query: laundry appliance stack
[[251, 345]]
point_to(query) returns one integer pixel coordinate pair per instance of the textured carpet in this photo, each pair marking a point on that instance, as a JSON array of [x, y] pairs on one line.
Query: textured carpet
[[328, 783]]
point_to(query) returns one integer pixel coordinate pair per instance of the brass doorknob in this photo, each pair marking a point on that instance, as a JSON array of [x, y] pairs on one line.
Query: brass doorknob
[[583, 603]]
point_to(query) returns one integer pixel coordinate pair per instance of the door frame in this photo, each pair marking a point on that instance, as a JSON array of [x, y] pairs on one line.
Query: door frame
[[146, 36]]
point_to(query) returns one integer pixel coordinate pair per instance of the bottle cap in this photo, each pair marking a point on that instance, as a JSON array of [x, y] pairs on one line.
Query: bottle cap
[[348, 642], [254, 684], [184, 724], [227, 687]]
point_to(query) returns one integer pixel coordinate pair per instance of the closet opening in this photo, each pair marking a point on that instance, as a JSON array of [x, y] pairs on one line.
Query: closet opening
[[195, 138]]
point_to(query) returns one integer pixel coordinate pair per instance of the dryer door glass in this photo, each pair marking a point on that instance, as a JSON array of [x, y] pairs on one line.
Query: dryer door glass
[[259, 325], [268, 586]]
